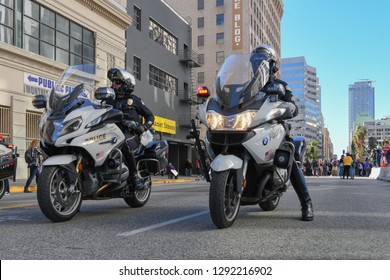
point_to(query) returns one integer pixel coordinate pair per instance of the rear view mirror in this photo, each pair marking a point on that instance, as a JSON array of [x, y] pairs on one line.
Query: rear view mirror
[[40, 101], [105, 93]]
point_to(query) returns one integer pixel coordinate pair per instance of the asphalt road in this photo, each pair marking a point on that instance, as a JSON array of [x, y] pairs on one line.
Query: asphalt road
[[352, 222]]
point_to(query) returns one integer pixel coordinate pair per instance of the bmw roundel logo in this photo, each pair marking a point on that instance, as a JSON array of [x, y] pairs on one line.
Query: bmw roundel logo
[[265, 141]]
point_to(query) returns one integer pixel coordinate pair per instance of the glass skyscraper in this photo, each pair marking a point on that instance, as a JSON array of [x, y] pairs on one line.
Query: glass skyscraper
[[361, 100]]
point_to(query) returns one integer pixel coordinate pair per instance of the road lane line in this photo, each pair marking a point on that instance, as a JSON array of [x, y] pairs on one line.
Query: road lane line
[[16, 206], [151, 227]]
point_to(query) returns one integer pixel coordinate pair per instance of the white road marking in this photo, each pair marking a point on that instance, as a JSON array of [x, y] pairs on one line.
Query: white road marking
[[151, 227]]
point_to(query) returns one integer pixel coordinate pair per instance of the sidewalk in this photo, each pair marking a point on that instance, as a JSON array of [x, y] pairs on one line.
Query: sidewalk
[[18, 185]]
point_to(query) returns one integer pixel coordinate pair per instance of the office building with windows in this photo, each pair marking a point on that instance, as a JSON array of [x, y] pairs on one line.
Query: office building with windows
[[40, 39], [160, 55], [221, 27], [361, 100], [304, 83]]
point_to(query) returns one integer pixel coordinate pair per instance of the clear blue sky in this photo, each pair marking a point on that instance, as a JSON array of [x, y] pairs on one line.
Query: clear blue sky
[[346, 40]]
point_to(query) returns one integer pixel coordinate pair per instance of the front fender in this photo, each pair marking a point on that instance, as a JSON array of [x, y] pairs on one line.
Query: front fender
[[226, 162], [59, 160]]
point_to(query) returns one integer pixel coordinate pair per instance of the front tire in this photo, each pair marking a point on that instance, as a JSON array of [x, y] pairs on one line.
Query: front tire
[[58, 201], [2, 188], [270, 204], [224, 200], [139, 198]]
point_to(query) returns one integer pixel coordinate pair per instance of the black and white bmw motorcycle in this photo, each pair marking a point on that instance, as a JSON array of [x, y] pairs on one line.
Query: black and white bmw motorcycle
[[247, 140], [83, 144]]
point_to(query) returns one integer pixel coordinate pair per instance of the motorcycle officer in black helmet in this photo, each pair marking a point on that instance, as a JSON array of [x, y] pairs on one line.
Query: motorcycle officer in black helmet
[[262, 53], [133, 109]]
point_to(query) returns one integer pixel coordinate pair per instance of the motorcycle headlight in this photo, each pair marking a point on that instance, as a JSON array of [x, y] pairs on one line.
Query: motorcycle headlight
[[239, 121], [71, 126], [275, 114], [94, 122]]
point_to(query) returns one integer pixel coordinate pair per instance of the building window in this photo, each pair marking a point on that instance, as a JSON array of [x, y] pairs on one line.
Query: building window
[[5, 122], [163, 80], [7, 13], [219, 3], [137, 18], [200, 22], [44, 32], [137, 67], [201, 40], [200, 77], [200, 4], [220, 38], [220, 19], [162, 36], [201, 58], [220, 57]]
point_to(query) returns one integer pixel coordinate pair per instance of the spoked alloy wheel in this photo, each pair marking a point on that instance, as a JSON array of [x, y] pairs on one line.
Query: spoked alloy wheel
[[224, 200], [58, 200], [139, 198], [270, 204]]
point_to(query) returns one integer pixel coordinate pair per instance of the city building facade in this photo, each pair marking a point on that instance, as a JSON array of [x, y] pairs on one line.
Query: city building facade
[[304, 83], [38, 40], [378, 129], [160, 56], [222, 27]]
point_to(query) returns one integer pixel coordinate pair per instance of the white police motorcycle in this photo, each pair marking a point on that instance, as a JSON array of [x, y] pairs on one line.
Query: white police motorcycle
[[84, 143], [247, 140]]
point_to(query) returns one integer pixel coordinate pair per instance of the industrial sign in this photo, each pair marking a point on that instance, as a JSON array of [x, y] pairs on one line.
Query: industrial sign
[[237, 25], [164, 125]]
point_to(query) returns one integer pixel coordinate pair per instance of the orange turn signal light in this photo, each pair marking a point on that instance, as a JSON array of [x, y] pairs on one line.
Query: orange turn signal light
[[203, 92]]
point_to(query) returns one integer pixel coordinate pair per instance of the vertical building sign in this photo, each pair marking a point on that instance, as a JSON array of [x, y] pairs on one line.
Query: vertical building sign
[[237, 24]]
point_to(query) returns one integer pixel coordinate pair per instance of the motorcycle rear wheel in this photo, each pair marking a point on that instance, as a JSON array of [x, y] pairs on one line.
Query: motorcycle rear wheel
[[224, 200], [57, 200], [139, 198], [270, 204]]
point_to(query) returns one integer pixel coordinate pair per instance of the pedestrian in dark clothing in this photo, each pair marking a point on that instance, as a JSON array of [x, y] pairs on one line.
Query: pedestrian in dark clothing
[[34, 162], [188, 168]]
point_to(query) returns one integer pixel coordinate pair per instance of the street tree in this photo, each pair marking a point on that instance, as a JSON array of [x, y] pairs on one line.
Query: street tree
[[313, 150], [358, 140]]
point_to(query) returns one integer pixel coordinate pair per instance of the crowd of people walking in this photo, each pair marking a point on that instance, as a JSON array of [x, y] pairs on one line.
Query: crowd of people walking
[[347, 166]]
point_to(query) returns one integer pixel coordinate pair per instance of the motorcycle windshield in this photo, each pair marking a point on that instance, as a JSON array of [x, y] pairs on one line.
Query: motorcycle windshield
[[77, 81], [239, 79]]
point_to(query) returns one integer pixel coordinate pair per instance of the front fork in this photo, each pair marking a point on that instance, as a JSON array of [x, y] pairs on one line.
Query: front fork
[[194, 134]]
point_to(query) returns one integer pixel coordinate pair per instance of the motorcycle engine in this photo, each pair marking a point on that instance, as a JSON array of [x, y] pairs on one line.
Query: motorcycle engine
[[280, 176]]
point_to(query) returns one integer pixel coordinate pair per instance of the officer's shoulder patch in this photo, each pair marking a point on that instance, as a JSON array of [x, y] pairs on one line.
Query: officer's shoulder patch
[[129, 101]]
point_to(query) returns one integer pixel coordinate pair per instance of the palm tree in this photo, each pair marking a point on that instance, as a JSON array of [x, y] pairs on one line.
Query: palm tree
[[358, 140], [312, 150]]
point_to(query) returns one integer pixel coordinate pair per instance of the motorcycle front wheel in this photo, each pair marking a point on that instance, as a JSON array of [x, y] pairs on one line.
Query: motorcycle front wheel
[[270, 204], [224, 200], [139, 198], [2, 188], [58, 199]]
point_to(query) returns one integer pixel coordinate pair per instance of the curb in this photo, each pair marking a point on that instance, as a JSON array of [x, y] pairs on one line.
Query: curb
[[20, 189]]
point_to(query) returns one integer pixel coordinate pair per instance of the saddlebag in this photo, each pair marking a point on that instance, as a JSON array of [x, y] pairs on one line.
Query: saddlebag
[[155, 157]]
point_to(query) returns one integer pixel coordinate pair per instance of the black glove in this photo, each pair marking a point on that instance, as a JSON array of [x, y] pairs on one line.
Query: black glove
[[139, 129]]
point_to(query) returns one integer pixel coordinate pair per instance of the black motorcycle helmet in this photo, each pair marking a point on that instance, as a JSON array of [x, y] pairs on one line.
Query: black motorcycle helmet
[[267, 53], [127, 80]]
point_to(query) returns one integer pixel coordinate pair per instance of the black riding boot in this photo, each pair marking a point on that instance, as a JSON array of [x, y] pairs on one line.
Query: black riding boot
[[135, 180], [298, 181]]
